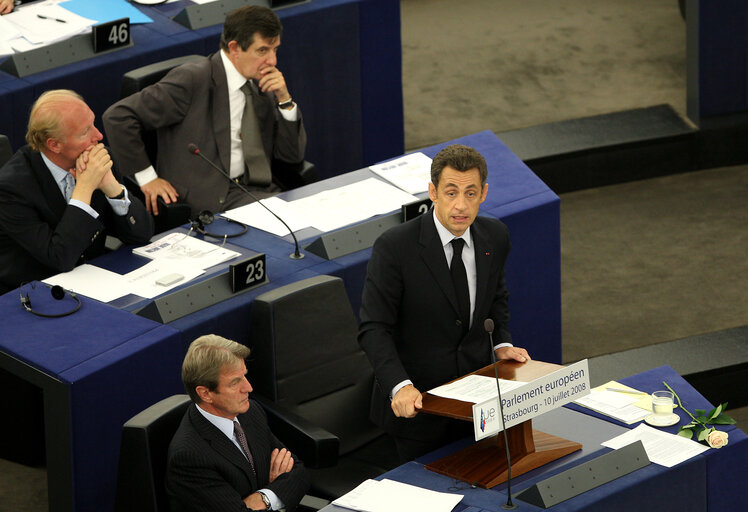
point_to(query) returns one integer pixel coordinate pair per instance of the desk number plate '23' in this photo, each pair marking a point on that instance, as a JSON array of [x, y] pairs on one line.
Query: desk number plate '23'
[[248, 273]]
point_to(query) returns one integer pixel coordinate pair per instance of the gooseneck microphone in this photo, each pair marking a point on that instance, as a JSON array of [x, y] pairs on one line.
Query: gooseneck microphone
[[488, 326], [192, 148]]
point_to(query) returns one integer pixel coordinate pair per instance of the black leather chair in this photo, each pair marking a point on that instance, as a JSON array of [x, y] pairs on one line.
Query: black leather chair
[[286, 175], [145, 445], [142, 460], [6, 151], [305, 357]]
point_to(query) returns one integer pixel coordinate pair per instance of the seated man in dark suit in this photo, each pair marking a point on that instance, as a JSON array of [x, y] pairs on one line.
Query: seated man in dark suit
[[235, 106], [430, 284], [59, 195], [223, 456]]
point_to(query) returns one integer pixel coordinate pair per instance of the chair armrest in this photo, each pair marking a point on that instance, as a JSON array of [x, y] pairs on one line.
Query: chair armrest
[[288, 176], [317, 447], [170, 215]]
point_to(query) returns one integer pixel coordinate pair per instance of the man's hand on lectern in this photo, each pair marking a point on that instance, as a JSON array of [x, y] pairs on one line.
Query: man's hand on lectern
[[406, 402], [516, 353]]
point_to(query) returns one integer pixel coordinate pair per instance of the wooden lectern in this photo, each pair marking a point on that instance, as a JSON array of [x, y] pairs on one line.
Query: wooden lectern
[[484, 463]]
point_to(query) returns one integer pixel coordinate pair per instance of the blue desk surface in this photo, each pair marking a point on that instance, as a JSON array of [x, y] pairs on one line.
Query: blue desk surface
[[114, 364], [515, 195], [714, 480], [341, 59]]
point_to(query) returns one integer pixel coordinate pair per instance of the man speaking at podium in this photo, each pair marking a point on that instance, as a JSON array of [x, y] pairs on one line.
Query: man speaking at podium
[[431, 282]]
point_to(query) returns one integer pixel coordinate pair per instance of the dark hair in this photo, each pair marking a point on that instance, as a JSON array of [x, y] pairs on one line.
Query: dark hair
[[459, 158], [241, 25]]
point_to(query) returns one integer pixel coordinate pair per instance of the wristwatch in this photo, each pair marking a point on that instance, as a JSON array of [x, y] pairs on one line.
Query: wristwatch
[[121, 194], [265, 500], [286, 104]]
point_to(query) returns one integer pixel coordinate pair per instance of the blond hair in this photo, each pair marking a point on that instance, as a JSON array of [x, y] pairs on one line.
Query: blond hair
[[46, 118]]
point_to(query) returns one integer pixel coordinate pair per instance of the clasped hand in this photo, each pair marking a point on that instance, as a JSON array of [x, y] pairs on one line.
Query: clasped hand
[[93, 170]]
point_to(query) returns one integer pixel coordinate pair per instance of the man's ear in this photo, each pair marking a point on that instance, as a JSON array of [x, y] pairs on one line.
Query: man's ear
[[204, 393], [432, 192], [484, 193], [53, 145], [234, 48]]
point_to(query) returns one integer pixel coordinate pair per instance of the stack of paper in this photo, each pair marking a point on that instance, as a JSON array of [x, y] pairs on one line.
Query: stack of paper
[[42, 23], [662, 448], [411, 172], [626, 404], [391, 496], [185, 251], [45, 22], [475, 388], [327, 210]]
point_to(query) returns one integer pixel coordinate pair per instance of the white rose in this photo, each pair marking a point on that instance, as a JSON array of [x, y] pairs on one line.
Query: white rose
[[717, 439]]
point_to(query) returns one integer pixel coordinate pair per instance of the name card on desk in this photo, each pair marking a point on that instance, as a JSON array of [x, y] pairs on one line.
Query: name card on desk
[[110, 35], [248, 273], [532, 399]]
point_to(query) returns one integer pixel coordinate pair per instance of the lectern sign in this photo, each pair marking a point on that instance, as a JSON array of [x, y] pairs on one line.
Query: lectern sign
[[532, 399]]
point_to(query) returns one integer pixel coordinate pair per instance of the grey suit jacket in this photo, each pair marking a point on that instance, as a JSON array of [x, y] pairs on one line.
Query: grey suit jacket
[[191, 105], [207, 472], [409, 316], [41, 235]]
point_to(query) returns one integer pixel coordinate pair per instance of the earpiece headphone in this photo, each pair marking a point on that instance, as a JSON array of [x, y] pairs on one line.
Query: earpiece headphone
[[58, 292], [206, 217]]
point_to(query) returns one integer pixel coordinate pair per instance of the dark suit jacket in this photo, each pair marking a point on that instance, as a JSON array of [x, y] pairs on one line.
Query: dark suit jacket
[[41, 235], [409, 316], [191, 105], [207, 472]]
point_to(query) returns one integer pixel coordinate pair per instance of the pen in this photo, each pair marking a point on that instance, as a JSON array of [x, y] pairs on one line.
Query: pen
[[41, 17], [617, 390]]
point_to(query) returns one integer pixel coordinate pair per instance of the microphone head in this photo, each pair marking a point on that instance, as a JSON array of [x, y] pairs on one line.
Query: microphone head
[[192, 148], [488, 325], [57, 292]]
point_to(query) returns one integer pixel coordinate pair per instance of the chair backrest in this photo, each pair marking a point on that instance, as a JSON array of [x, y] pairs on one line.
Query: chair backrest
[[140, 78], [142, 459], [306, 358], [6, 151]]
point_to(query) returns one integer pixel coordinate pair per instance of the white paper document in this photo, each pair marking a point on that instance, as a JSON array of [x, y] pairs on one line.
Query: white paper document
[[8, 30], [475, 388], [333, 209], [620, 406], [662, 448], [184, 251], [144, 281], [255, 215], [411, 172], [390, 496], [91, 281], [46, 22]]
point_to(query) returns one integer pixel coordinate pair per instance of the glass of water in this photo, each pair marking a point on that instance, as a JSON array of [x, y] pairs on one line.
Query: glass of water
[[662, 404]]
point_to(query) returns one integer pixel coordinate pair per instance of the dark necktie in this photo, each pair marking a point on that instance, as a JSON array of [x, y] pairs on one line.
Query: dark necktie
[[459, 279], [239, 433], [254, 152]]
